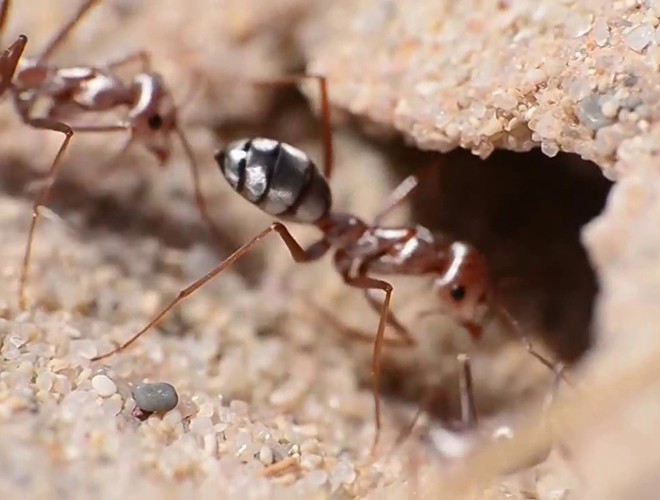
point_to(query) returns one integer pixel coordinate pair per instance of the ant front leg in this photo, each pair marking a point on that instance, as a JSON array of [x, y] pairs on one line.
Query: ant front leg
[[406, 338], [352, 333], [466, 393], [299, 254], [44, 194], [326, 122], [468, 408]]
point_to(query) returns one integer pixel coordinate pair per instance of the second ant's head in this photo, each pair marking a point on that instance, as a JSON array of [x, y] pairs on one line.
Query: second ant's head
[[465, 285], [153, 116]]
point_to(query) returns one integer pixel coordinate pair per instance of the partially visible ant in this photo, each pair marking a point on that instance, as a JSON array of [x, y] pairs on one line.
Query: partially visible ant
[[457, 440], [151, 112], [284, 182], [458, 437]]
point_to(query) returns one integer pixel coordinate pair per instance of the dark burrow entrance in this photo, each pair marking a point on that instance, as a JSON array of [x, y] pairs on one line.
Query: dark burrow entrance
[[525, 212]]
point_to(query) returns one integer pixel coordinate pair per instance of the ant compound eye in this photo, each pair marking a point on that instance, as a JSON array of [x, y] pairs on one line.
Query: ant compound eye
[[457, 292], [155, 122]]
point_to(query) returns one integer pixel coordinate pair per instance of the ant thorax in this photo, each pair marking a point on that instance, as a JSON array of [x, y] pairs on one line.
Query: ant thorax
[[412, 249], [98, 92]]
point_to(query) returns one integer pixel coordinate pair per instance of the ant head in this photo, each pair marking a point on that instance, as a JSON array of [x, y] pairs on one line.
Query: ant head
[[153, 117], [465, 286]]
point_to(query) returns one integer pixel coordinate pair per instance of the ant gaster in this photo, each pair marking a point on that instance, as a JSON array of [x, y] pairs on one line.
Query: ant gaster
[[284, 182], [150, 120]]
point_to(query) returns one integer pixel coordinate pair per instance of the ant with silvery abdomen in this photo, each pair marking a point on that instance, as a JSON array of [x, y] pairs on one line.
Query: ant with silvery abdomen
[[150, 110], [284, 182]]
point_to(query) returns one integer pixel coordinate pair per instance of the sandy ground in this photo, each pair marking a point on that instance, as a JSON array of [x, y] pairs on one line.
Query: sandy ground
[[263, 377]]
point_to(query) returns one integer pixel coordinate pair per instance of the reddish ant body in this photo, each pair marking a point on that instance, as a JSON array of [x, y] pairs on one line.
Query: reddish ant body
[[284, 182], [151, 116]]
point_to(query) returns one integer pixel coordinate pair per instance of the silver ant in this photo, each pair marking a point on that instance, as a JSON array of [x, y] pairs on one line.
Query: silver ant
[[284, 182], [151, 113]]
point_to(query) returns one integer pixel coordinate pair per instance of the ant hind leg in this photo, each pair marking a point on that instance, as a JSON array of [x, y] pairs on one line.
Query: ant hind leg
[[299, 254]]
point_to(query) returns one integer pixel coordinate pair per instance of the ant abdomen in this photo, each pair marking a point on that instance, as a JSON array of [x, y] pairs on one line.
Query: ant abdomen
[[277, 177]]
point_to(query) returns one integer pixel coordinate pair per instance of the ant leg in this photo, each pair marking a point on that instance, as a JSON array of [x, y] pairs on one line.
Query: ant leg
[[44, 194], [60, 36], [142, 56], [299, 254], [424, 406], [468, 407], [199, 83], [342, 262], [326, 123], [42, 198], [391, 319], [111, 162], [554, 390], [9, 60], [352, 333], [466, 392]]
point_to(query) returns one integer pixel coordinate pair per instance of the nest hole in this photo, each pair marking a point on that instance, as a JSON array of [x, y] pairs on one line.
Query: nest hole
[[525, 212]]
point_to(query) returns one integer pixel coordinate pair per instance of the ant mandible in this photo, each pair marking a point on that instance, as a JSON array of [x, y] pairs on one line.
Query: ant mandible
[[284, 182], [151, 112]]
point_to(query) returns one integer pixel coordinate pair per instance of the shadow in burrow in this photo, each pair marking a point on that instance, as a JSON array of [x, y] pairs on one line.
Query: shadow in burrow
[[524, 211]]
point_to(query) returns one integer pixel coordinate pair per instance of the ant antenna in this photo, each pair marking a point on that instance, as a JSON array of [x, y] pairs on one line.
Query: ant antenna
[[196, 84], [557, 368], [200, 200]]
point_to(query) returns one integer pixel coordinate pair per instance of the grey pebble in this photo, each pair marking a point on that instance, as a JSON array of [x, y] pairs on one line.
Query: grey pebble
[[158, 397]]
